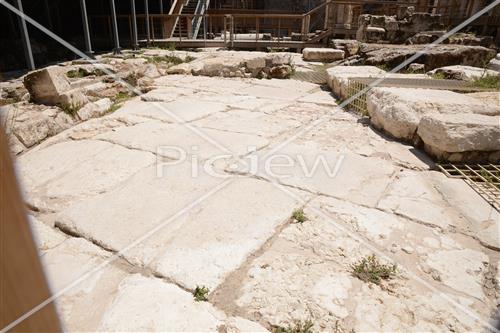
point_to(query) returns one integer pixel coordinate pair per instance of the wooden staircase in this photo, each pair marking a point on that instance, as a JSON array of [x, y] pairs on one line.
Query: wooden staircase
[[184, 26]]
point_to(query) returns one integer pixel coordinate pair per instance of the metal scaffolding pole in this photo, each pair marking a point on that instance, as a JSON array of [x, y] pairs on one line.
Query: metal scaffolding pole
[[135, 44], [148, 33], [86, 31], [28, 53], [117, 49]]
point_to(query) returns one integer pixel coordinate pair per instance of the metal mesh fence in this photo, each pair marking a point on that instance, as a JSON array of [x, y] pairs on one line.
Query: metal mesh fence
[[483, 178]]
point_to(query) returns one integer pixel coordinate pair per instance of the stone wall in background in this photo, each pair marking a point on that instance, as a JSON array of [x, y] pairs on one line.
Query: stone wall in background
[[398, 28]]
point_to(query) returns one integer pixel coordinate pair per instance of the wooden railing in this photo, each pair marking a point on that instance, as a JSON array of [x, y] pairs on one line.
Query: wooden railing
[[279, 26]]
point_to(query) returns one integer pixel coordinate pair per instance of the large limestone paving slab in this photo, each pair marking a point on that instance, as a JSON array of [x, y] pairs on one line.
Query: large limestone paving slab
[[288, 90], [227, 228], [169, 308], [483, 219], [341, 174], [72, 170], [248, 122], [199, 247], [320, 97], [305, 274], [179, 111], [82, 306], [114, 298], [149, 198], [346, 131], [398, 111], [200, 83], [412, 194], [175, 140], [188, 109]]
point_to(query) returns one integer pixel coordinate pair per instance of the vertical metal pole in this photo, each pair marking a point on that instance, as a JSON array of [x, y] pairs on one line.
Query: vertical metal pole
[[117, 49], [47, 12], [146, 9], [28, 53], [135, 44], [86, 31], [161, 6]]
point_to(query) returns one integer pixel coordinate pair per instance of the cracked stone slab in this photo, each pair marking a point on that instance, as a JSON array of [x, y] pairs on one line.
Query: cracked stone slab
[[229, 226], [413, 195], [81, 306], [172, 140], [345, 131], [73, 170], [248, 122], [149, 199], [461, 270], [169, 309], [45, 237], [113, 298], [320, 97], [306, 274], [198, 247], [483, 219], [189, 109], [338, 174]]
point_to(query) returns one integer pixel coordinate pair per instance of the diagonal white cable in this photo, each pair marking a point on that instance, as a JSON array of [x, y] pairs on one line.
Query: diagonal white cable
[[307, 128], [118, 254], [381, 254], [96, 63], [383, 77]]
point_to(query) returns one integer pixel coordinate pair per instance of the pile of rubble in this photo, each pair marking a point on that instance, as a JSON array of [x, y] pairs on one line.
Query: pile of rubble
[[396, 29], [238, 64]]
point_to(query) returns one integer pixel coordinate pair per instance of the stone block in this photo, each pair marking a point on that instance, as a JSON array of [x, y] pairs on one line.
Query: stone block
[[322, 54], [46, 85]]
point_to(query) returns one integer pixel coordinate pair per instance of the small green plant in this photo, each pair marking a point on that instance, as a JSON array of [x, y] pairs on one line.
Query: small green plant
[[439, 76], [369, 269], [299, 327], [189, 58], [77, 73], [172, 59], [201, 294], [384, 67], [131, 79], [299, 216], [487, 81], [70, 108], [121, 97]]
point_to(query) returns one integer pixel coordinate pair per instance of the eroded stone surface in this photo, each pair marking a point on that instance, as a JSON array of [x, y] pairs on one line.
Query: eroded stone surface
[[292, 280], [106, 181], [399, 110]]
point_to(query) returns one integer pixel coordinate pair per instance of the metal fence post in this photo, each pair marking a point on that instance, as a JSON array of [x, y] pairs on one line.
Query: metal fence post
[[86, 31], [28, 53], [148, 32], [117, 49], [135, 43]]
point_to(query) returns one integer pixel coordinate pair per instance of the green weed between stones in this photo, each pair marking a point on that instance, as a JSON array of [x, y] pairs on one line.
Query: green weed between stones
[[201, 294], [369, 269]]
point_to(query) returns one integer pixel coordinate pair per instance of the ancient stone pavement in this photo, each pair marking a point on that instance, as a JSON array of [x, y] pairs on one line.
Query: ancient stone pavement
[[99, 187]]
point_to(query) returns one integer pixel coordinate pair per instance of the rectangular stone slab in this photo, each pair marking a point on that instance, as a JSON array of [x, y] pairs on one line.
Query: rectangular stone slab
[[166, 139], [249, 122]]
